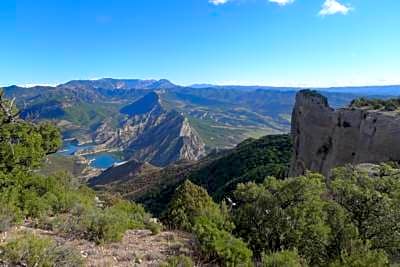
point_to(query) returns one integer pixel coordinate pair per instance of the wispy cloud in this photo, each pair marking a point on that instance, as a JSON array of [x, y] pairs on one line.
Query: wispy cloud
[[218, 2], [282, 2], [331, 7], [28, 85]]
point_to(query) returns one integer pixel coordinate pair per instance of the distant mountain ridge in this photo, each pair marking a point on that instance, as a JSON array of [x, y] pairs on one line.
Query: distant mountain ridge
[[93, 111], [153, 84], [122, 84]]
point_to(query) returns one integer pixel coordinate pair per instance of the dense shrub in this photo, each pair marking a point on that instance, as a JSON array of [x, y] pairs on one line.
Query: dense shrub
[[74, 209], [192, 209], [360, 255], [220, 245], [30, 250], [35, 196], [110, 224], [189, 202], [284, 214], [285, 258], [327, 221], [372, 204], [101, 225]]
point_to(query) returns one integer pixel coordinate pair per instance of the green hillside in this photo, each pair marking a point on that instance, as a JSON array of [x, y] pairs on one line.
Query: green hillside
[[219, 173]]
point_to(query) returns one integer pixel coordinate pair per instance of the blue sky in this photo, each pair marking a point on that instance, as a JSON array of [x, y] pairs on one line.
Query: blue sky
[[265, 42]]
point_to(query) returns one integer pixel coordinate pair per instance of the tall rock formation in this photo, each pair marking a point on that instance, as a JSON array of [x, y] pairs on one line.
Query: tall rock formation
[[324, 138], [151, 133]]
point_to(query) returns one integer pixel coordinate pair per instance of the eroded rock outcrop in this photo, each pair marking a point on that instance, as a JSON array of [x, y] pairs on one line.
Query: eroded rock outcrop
[[325, 138], [150, 133]]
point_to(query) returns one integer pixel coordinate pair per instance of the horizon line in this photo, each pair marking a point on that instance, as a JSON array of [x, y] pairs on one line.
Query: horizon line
[[220, 84]]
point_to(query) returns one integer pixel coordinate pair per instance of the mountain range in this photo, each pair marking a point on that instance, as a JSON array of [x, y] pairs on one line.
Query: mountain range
[[160, 122]]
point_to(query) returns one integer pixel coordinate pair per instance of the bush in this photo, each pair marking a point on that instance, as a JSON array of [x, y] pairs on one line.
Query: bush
[[75, 208], [193, 210], [30, 250], [101, 225], [285, 258], [220, 245], [360, 255], [189, 202], [178, 261], [154, 227], [110, 224], [284, 215], [372, 204]]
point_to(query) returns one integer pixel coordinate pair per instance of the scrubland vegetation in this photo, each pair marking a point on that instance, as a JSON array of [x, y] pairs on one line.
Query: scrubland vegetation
[[377, 104], [57, 203], [351, 219]]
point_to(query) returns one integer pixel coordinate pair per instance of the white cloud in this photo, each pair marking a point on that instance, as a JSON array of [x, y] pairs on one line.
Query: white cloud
[[218, 2], [282, 2], [331, 7], [28, 85]]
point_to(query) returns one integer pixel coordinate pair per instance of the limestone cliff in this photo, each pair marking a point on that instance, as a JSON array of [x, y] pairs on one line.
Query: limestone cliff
[[151, 133], [325, 138]]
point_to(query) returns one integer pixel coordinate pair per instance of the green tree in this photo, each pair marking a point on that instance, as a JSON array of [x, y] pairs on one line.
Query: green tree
[[189, 202], [373, 204], [193, 210], [284, 215], [221, 246], [23, 144]]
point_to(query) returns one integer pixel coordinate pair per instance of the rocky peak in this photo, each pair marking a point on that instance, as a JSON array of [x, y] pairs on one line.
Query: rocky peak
[[324, 138], [143, 105], [153, 134]]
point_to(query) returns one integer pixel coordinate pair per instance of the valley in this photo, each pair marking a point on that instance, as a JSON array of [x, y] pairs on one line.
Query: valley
[[146, 190], [112, 115], [200, 133]]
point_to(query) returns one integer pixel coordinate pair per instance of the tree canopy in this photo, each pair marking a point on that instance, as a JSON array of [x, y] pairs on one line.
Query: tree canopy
[[351, 219]]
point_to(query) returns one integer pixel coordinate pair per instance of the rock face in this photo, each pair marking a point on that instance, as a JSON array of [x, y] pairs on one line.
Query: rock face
[[149, 133], [324, 138]]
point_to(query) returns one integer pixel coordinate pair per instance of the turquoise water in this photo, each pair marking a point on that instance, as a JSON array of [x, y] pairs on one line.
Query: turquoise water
[[102, 160], [99, 160]]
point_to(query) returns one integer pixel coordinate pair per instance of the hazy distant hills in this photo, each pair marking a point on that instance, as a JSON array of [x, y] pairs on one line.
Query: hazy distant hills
[[223, 116], [121, 84], [392, 90]]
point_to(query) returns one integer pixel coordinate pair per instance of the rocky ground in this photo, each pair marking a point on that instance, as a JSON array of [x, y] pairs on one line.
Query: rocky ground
[[138, 247]]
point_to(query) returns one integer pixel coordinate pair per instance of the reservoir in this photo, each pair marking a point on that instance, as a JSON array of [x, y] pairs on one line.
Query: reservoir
[[101, 160]]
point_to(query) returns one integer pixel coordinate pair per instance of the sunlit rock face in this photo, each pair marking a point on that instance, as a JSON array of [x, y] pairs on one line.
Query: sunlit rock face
[[152, 134], [325, 138]]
